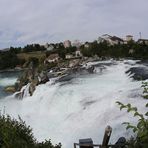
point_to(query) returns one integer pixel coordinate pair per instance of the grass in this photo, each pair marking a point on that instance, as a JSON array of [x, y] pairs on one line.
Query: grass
[[37, 54]]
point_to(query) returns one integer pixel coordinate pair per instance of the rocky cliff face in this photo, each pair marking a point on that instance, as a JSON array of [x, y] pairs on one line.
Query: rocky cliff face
[[30, 76], [64, 71]]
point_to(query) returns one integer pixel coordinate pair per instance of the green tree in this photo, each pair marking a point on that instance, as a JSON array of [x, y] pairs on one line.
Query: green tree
[[141, 129], [16, 134]]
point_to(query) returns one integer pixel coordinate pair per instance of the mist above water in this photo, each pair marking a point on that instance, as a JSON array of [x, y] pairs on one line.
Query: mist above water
[[80, 108]]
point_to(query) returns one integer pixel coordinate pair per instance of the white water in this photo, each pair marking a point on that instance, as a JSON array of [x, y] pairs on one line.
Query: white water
[[7, 81], [80, 109]]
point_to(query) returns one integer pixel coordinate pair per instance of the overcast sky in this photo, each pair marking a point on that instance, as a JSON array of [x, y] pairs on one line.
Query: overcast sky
[[39, 21]]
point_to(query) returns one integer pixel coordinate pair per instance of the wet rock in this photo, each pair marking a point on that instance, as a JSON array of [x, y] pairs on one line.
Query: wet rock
[[10, 89], [138, 73], [43, 77], [121, 143], [65, 78], [91, 69], [32, 88], [19, 95]]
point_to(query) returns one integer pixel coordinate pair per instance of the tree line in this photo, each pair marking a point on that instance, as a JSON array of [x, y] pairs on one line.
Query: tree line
[[131, 49], [9, 59]]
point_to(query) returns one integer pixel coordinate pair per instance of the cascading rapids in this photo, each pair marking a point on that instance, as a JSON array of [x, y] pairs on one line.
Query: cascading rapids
[[80, 108]]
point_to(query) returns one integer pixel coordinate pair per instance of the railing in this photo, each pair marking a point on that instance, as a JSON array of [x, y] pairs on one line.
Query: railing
[[97, 145], [121, 143]]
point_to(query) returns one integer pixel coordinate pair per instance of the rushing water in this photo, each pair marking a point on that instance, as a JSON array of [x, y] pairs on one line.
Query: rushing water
[[7, 78], [81, 108]]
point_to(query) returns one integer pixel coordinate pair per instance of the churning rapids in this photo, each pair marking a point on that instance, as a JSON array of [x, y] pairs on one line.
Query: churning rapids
[[82, 107]]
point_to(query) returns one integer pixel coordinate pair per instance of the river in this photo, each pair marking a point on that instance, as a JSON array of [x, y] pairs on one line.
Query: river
[[7, 78], [82, 107]]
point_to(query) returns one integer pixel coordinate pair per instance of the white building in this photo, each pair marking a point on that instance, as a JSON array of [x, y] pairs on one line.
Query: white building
[[67, 44], [50, 47], [69, 56], [77, 43], [46, 45], [143, 41], [129, 38], [86, 45], [111, 40], [78, 53], [103, 38], [52, 58]]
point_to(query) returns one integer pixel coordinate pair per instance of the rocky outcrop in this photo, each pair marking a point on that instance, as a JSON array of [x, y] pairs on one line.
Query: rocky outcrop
[[35, 76], [10, 89], [138, 73], [43, 77], [31, 76]]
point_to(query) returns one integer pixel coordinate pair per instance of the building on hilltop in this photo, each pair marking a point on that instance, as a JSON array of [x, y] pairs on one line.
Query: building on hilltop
[[52, 58], [143, 41], [69, 56], [67, 44], [78, 53], [103, 38], [46, 45], [86, 45], [76, 43], [50, 47], [129, 38], [116, 40], [111, 40]]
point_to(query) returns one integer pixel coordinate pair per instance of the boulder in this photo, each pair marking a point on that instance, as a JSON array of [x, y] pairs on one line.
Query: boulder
[[43, 77], [10, 89], [138, 73], [32, 88]]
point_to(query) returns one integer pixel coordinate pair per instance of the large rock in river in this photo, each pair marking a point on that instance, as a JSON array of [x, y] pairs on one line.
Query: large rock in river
[[138, 73], [10, 89]]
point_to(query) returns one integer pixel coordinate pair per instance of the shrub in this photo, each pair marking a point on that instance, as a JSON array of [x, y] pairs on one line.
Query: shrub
[[141, 129], [16, 134], [145, 89]]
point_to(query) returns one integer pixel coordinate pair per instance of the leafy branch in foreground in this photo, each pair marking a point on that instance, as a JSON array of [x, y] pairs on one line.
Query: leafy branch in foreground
[[145, 89], [16, 134], [141, 129]]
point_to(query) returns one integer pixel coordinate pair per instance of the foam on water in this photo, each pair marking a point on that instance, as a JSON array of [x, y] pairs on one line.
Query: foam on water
[[7, 81], [81, 108]]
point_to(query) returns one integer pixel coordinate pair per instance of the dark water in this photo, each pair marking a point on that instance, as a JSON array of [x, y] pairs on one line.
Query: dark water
[[7, 78]]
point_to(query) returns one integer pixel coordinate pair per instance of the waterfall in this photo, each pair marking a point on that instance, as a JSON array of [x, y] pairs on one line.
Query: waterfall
[[23, 93], [81, 108]]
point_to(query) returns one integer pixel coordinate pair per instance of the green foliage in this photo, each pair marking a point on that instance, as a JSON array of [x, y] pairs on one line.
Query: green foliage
[[34, 61], [116, 51], [141, 129], [16, 49], [33, 47], [27, 48], [16, 134], [61, 51], [145, 89], [8, 60]]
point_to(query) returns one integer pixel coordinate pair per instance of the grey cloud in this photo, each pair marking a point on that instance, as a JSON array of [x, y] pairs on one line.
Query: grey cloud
[[44, 21]]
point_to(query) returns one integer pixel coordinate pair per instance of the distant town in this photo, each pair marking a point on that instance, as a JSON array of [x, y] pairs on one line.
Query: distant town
[[106, 46], [111, 40]]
